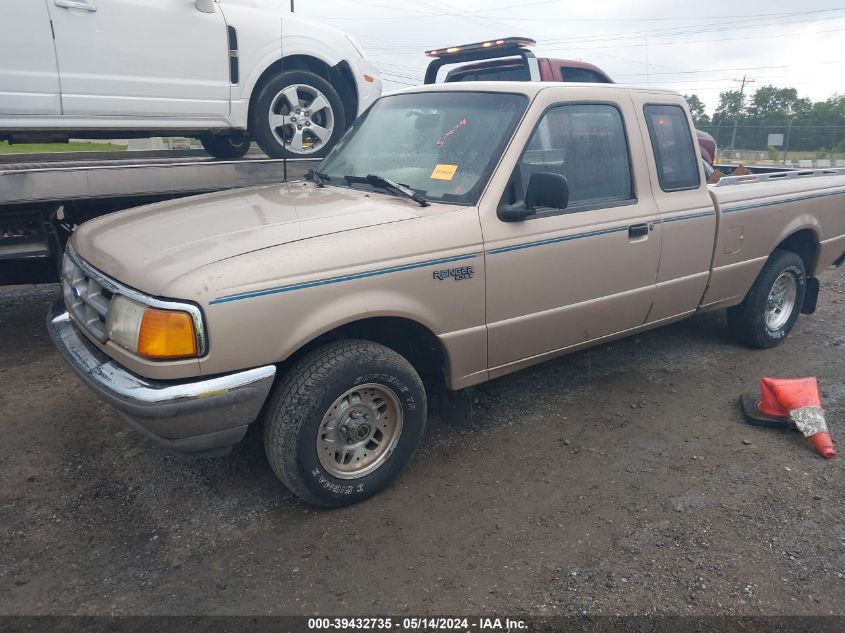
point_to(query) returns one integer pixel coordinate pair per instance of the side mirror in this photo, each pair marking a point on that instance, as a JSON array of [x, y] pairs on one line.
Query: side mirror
[[206, 6], [545, 189]]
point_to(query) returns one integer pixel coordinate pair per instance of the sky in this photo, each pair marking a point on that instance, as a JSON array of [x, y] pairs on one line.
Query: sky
[[694, 48]]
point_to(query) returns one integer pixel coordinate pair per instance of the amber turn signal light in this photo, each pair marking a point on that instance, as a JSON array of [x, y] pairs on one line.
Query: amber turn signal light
[[166, 334]]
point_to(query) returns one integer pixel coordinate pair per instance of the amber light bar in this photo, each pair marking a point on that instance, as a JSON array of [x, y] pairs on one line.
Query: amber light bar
[[478, 46]]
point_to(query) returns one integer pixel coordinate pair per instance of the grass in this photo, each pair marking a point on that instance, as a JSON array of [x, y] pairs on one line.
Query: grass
[[39, 148]]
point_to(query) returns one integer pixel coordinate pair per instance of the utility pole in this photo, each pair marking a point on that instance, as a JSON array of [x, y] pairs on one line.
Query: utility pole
[[786, 143], [291, 6], [744, 80]]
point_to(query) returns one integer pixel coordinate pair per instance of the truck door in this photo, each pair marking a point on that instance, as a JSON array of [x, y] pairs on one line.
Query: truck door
[[561, 278], [688, 217], [147, 58], [29, 78]]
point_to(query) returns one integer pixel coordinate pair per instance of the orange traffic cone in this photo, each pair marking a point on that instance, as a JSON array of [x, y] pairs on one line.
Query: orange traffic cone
[[792, 402]]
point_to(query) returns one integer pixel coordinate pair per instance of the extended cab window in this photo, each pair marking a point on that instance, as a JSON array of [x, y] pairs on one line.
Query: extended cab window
[[674, 152], [587, 144]]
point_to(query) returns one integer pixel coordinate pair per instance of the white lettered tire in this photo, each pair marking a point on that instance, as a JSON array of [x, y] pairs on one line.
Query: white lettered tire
[[344, 422]]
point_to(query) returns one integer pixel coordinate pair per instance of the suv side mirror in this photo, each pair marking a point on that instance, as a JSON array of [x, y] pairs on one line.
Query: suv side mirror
[[545, 189], [206, 6]]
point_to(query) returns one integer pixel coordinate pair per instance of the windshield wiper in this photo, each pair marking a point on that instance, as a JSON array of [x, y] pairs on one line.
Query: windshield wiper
[[380, 181], [318, 178]]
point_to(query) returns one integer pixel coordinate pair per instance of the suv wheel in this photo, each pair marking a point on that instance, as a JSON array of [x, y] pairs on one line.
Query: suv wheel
[[296, 114], [344, 422], [770, 309]]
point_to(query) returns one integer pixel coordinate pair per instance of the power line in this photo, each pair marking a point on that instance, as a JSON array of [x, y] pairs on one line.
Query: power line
[[717, 79], [716, 70], [724, 39], [428, 14], [675, 31], [703, 17], [474, 13], [569, 51]]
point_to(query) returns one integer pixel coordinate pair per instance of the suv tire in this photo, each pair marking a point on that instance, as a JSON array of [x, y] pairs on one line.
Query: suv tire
[[226, 145], [296, 114]]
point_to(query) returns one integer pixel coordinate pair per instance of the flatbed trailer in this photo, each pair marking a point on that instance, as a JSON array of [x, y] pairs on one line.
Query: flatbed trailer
[[44, 196]]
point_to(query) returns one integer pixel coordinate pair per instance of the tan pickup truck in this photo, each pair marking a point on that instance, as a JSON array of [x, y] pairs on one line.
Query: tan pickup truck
[[457, 233]]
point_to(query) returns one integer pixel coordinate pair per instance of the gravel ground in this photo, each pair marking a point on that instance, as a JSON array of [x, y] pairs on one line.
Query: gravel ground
[[621, 480]]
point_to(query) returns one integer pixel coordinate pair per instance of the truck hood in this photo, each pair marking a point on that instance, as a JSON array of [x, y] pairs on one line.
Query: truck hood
[[151, 246]]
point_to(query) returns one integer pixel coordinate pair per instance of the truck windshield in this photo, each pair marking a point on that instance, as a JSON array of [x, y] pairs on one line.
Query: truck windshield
[[443, 145]]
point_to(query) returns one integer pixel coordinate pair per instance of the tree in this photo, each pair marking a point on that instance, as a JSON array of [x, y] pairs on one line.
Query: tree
[[771, 110], [730, 107], [696, 108], [770, 102]]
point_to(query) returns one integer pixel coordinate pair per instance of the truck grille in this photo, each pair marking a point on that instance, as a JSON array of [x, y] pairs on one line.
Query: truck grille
[[85, 299]]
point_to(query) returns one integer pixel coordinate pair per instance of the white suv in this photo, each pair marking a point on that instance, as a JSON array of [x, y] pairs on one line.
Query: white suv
[[224, 71]]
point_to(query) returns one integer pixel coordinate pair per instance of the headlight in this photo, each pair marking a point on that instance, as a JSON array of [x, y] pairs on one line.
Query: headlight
[[150, 332]]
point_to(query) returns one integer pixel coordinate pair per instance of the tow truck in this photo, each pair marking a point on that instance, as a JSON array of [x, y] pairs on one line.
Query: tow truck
[[511, 59], [45, 196]]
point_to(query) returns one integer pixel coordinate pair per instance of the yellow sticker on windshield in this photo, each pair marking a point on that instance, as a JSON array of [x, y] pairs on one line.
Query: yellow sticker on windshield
[[444, 172]]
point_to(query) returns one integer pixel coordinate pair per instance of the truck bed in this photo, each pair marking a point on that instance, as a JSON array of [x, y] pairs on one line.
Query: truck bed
[[758, 211]]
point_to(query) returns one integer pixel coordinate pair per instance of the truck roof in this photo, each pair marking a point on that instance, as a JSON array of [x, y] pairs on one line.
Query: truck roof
[[530, 88]]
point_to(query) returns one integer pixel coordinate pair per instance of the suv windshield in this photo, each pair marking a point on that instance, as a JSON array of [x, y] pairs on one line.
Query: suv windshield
[[440, 144]]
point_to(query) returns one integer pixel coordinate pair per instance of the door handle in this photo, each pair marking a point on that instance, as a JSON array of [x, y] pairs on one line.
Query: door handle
[[637, 231], [76, 4]]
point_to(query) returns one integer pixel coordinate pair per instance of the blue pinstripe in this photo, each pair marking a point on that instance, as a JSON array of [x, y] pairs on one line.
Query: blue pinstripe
[[342, 278], [771, 203], [444, 260]]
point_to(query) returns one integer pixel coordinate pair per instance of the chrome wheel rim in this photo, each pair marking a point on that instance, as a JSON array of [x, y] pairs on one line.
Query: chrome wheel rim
[[301, 119], [359, 431], [781, 301]]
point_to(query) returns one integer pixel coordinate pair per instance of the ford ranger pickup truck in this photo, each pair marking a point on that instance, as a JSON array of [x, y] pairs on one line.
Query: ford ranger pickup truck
[[456, 233]]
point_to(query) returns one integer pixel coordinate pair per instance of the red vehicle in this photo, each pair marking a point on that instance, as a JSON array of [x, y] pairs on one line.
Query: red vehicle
[[511, 59]]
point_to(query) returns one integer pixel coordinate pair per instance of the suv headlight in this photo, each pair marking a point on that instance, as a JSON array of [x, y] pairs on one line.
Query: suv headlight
[[151, 332]]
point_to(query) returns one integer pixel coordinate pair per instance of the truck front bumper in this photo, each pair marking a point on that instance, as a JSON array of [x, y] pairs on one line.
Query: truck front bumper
[[196, 416]]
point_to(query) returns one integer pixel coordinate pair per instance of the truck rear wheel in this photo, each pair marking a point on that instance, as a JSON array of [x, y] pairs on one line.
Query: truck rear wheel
[[770, 309], [344, 422]]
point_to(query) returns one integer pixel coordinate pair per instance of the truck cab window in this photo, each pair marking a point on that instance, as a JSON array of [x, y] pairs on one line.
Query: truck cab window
[[674, 152], [581, 75], [510, 70], [587, 144]]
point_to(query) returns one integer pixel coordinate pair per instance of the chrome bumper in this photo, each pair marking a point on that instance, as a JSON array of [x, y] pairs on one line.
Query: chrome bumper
[[186, 417]]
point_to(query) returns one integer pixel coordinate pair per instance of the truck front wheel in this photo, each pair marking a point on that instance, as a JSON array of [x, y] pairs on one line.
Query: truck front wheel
[[770, 309], [344, 422]]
